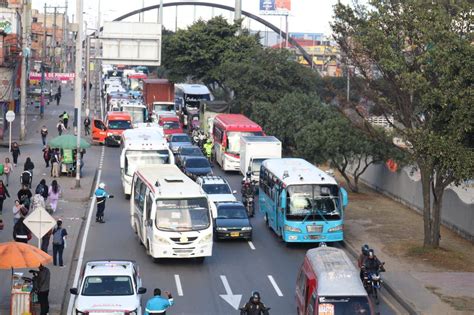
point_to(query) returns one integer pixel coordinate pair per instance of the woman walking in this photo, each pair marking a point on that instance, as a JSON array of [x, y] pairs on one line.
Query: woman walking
[[54, 192], [60, 127], [29, 166], [16, 211], [7, 169], [15, 153], [46, 155], [55, 163]]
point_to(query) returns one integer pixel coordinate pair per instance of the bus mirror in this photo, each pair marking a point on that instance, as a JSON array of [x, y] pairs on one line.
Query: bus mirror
[[345, 199], [283, 199]]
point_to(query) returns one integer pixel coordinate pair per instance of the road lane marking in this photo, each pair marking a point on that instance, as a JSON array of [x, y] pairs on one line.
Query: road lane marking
[[229, 297], [83, 244], [251, 245], [179, 288], [275, 285]]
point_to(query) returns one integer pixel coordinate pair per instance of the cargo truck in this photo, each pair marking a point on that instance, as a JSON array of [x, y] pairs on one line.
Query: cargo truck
[[254, 150], [209, 110], [158, 94]]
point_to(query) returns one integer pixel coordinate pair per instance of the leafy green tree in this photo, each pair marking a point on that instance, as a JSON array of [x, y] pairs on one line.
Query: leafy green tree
[[416, 59]]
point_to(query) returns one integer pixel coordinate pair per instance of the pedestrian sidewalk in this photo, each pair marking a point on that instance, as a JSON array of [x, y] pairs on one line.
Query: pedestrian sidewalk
[[425, 281], [72, 206]]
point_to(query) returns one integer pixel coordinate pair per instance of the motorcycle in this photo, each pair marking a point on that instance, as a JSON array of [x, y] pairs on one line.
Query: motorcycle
[[248, 195], [373, 282], [264, 311]]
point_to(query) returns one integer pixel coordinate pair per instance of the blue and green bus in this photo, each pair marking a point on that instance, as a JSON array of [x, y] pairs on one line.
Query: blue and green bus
[[300, 202]]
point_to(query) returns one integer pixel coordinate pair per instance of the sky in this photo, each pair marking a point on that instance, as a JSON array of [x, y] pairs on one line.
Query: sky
[[307, 16]]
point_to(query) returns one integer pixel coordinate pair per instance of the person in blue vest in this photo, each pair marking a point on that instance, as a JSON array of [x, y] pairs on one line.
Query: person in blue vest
[[101, 195], [158, 304]]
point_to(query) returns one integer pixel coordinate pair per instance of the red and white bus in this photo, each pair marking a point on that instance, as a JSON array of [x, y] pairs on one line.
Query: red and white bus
[[226, 132]]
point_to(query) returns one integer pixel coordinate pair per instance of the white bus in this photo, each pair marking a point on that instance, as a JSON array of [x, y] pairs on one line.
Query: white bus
[[170, 213], [138, 112], [142, 146]]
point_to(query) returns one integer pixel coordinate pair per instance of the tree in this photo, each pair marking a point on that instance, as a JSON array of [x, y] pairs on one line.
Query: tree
[[416, 60]]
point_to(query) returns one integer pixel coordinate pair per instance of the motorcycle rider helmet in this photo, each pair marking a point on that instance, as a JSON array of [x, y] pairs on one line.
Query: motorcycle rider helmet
[[365, 249], [371, 254], [255, 297], [101, 185]]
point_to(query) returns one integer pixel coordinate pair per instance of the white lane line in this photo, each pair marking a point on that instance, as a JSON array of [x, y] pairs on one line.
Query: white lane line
[[275, 285], [179, 288], [251, 245], [83, 247]]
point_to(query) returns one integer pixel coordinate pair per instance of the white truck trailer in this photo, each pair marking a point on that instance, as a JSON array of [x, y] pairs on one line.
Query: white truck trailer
[[254, 150]]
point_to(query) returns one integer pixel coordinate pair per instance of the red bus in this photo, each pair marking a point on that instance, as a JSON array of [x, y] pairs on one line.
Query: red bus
[[226, 132]]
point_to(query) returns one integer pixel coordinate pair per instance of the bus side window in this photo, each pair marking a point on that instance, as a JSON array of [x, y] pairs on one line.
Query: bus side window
[[148, 205], [141, 199], [136, 194]]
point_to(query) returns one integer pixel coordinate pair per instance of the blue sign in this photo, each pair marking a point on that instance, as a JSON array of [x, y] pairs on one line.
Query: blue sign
[[267, 5]]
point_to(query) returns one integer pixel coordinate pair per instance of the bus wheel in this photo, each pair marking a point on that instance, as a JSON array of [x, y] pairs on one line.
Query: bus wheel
[[200, 260], [156, 260], [127, 196]]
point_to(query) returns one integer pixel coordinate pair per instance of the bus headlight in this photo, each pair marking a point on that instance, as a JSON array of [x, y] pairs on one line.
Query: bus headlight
[[336, 228], [292, 229], [206, 238]]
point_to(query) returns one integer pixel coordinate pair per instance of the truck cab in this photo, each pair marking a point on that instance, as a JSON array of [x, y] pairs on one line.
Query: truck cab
[[109, 131]]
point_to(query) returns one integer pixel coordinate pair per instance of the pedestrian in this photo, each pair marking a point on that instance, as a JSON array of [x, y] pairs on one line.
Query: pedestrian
[[158, 304], [58, 96], [87, 124], [44, 133], [65, 118], [26, 178], [42, 285], [46, 155], [7, 169], [15, 150], [16, 212], [54, 193], [59, 236], [60, 127], [101, 195], [55, 164], [20, 232], [29, 166], [42, 189], [3, 195], [45, 241], [24, 195]]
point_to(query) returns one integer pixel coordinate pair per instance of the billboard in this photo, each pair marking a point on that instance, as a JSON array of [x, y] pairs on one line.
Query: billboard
[[275, 7]]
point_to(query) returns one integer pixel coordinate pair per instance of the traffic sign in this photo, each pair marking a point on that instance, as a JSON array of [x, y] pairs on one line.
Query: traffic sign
[[39, 222], [10, 116]]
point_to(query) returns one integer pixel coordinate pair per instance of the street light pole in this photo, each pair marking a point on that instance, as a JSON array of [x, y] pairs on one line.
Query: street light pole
[[88, 73], [25, 23], [78, 88]]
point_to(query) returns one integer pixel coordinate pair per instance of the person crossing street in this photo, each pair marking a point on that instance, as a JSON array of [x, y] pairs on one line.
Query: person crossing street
[[101, 195]]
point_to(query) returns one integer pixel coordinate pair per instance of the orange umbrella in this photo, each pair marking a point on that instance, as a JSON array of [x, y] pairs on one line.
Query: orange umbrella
[[21, 255]]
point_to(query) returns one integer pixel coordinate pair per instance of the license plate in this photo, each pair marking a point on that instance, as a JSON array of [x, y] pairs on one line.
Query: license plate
[[315, 237], [234, 234]]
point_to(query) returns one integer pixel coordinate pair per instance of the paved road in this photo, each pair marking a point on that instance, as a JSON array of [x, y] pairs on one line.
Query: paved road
[[245, 266]]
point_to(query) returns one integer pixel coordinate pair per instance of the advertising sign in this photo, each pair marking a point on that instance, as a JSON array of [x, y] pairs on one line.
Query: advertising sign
[[275, 7], [48, 76]]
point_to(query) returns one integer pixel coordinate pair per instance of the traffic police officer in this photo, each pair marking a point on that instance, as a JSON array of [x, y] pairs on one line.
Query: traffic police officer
[[158, 304]]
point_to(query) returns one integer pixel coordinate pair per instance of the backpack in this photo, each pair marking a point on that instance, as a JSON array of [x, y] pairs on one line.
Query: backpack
[[58, 237], [40, 190]]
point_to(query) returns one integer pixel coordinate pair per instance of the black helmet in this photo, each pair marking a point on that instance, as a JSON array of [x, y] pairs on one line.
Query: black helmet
[[365, 249], [255, 297]]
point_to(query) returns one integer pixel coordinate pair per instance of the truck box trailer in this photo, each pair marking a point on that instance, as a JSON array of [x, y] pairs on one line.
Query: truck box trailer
[[157, 90], [254, 150]]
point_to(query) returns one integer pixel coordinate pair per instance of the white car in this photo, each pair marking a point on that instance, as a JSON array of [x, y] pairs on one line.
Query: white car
[[112, 287], [217, 190]]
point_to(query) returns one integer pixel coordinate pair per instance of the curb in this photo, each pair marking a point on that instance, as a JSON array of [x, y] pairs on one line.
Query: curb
[[400, 300], [76, 247]]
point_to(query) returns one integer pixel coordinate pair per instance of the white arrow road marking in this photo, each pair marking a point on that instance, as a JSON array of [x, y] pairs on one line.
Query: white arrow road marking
[[179, 288], [229, 297], [275, 285], [251, 245]]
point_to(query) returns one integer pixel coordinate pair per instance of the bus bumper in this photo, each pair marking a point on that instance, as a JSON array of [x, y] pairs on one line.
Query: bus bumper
[[167, 251], [313, 238]]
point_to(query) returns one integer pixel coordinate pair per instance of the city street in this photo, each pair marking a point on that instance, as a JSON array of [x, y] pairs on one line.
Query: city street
[[266, 264]]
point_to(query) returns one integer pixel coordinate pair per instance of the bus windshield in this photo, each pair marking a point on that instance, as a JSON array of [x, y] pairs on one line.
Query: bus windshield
[[135, 158], [233, 139], [182, 215], [119, 124], [313, 202], [137, 113], [193, 100], [344, 305]]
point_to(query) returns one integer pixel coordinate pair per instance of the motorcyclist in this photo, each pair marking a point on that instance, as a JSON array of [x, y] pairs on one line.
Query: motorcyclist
[[208, 149], [372, 264], [254, 306], [364, 253]]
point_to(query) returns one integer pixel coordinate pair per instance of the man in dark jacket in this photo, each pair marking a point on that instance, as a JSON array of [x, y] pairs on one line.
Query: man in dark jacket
[[254, 306], [42, 189], [43, 288]]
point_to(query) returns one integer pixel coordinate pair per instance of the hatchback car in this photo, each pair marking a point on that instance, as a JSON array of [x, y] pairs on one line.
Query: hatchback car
[[177, 140], [195, 166], [217, 190], [232, 222], [112, 287], [185, 151]]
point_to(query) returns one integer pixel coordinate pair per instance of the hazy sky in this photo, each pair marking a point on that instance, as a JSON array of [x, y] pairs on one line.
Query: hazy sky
[[310, 16]]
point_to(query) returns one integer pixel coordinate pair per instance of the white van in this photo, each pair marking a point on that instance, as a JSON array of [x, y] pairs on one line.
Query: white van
[[170, 213], [142, 146]]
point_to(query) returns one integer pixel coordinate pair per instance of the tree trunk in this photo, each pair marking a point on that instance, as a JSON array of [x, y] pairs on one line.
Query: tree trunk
[[438, 193], [351, 186], [426, 188]]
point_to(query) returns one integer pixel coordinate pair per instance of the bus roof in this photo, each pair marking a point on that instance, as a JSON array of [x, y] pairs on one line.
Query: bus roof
[[167, 181], [299, 172], [337, 275], [196, 89], [236, 122], [144, 139]]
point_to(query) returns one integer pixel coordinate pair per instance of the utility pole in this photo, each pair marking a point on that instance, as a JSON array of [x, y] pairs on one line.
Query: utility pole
[[25, 30], [78, 87], [88, 72], [65, 38], [53, 55], [286, 29], [238, 13]]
